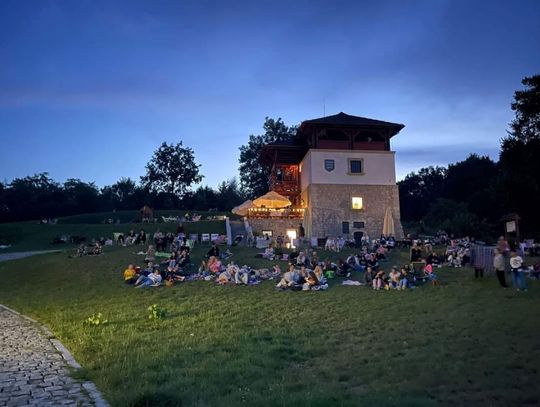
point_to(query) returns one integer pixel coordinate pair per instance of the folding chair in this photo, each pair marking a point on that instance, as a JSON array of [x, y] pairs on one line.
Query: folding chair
[[205, 238], [214, 237]]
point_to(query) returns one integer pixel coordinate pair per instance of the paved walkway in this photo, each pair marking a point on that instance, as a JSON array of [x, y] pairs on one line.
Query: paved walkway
[[21, 255], [32, 371]]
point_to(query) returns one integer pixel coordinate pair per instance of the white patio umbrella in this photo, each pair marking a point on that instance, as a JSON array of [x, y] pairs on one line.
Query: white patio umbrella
[[388, 223], [243, 208], [272, 200]]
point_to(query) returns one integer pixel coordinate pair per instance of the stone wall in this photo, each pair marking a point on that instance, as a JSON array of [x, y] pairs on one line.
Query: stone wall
[[277, 226], [329, 205]]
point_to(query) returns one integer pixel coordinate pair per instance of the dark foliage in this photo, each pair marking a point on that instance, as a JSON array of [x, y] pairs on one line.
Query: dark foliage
[[254, 177]]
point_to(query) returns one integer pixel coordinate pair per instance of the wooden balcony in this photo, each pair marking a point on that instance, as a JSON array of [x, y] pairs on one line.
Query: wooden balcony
[[267, 213]]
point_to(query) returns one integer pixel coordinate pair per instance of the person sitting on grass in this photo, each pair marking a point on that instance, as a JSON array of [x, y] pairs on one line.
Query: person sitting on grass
[[369, 275], [268, 253], [314, 260], [343, 270], [172, 265], [97, 249], [372, 262], [183, 260], [379, 280], [302, 275], [329, 269], [81, 251], [227, 276], [319, 273], [301, 259], [311, 281], [130, 275], [150, 254], [241, 276], [428, 271], [214, 265], [395, 278], [153, 279], [406, 279], [288, 279], [214, 251], [203, 268], [381, 253]]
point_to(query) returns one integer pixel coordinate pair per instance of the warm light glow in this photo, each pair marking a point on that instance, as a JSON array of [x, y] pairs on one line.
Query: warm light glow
[[357, 203], [291, 233]]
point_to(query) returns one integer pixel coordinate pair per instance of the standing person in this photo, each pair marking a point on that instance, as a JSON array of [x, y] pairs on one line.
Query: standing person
[[518, 278], [498, 264]]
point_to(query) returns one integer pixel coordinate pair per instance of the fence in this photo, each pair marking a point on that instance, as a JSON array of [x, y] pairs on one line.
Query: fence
[[482, 257]]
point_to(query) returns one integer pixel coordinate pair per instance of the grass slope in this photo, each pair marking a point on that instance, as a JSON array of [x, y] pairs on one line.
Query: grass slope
[[32, 236], [466, 342]]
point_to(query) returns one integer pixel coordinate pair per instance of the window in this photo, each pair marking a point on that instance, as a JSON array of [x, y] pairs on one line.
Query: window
[[359, 225], [357, 202], [355, 166], [329, 165], [345, 228]]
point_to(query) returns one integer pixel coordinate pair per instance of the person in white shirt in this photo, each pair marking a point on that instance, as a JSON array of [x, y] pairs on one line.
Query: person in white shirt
[[518, 276]]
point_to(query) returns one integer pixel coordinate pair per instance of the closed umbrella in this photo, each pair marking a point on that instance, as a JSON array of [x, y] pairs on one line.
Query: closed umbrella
[[272, 200], [388, 224]]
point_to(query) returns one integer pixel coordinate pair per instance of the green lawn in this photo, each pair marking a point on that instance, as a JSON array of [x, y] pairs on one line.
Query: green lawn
[[33, 236], [466, 342]]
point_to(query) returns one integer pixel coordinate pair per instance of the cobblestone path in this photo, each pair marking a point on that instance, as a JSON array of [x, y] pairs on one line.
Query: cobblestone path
[[21, 255], [32, 371]]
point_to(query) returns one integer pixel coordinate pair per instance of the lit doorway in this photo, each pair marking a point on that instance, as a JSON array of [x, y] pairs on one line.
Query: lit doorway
[[291, 234]]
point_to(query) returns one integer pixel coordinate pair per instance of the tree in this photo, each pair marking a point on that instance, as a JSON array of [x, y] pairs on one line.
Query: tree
[[519, 159], [228, 195], [121, 194], [418, 190], [172, 170], [473, 182], [254, 177], [82, 197]]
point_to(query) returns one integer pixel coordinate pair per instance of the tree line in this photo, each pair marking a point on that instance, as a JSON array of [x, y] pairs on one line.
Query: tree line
[[467, 197], [166, 185], [471, 196]]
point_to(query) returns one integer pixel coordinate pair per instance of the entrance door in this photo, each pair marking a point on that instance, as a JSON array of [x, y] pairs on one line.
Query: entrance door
[[291, 233], [358, 239]]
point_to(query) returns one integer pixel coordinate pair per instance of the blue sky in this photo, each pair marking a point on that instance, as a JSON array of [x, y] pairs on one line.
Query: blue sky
[[89, 89]]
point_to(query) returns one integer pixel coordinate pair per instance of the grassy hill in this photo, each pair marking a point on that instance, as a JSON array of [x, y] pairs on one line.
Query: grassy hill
[[467, 342], [34, 236]]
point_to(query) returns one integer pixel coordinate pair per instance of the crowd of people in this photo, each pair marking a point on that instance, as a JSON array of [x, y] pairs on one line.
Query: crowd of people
[[167, 260], [305, 270]]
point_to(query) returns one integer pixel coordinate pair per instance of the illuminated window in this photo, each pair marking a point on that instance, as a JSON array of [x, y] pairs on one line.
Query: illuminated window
[[357, 203]]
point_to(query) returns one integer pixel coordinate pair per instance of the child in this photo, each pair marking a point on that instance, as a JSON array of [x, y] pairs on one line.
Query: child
[[130, 275], [153, 279], [395, 277], [498, 265], [518, 278], [378, 280], [288, 279], [150, 254]]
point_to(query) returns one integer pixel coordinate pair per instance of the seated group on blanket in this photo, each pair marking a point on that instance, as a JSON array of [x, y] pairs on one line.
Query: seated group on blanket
[[215, 252], [132, 238], [93, 250], [213, 269], [303, 279], [169, 271], [172, 268]]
